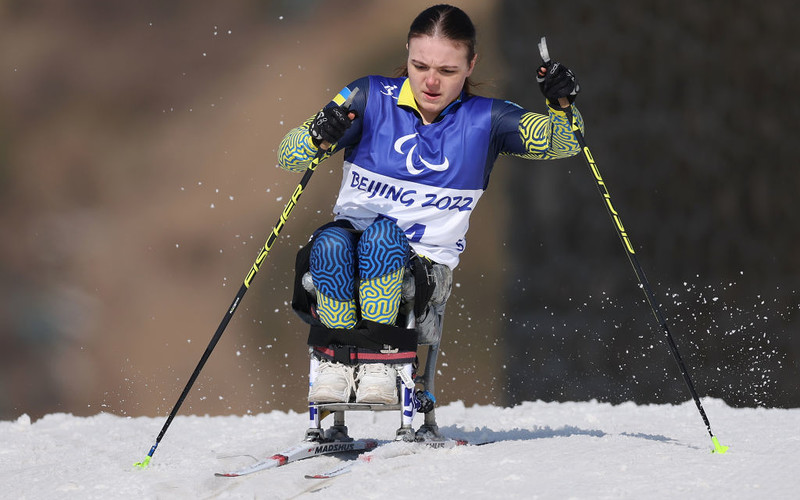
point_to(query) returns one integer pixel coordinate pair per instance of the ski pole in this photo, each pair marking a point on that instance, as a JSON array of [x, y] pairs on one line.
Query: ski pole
[[262, 255], [637, 268]]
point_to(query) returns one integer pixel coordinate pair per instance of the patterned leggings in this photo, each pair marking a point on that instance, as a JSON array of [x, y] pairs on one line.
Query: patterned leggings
[[359, 273]]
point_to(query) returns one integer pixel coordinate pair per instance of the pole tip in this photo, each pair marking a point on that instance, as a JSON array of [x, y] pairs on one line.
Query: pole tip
[[143, 464], [718, 448]]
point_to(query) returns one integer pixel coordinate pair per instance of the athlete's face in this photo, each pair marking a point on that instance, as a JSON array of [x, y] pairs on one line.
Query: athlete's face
[[437, 70]]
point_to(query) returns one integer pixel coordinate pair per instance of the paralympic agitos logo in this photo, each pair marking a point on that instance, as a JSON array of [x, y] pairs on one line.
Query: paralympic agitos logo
[[398, 146]]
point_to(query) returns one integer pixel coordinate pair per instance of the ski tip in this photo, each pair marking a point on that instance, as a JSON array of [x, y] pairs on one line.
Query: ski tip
[[226, 474], [718, 448]]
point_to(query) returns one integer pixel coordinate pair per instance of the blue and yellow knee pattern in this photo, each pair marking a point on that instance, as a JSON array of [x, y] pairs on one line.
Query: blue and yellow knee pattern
[[336, 314], [382, 251], [382, 256], [333, 268], [380, 297]]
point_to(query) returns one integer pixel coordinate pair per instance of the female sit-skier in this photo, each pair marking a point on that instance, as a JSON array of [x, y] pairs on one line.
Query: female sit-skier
[[418, 152]]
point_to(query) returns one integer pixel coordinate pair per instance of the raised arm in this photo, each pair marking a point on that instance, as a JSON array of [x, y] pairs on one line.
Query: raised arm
[[329, 126]]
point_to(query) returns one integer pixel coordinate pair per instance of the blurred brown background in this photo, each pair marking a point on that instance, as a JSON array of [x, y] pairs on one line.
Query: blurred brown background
[[138, 181]]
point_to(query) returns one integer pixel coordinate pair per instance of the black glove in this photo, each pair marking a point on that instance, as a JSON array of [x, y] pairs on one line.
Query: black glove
[[556, 81], [329, 125]]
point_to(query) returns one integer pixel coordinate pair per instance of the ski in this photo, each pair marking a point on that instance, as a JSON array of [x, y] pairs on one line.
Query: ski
[[306, 449], [389, 450]]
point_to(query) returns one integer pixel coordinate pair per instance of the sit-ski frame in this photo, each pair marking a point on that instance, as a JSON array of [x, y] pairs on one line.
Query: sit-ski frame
[[428, 431]]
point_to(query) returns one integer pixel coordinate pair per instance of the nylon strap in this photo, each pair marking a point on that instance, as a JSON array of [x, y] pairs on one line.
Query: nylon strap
[[366, 335]]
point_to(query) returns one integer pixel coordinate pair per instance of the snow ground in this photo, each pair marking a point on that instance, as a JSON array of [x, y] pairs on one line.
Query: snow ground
[[537, 450]]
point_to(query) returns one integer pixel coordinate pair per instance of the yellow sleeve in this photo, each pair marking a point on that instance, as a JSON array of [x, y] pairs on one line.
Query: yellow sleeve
[[550, 136], [296, 150]]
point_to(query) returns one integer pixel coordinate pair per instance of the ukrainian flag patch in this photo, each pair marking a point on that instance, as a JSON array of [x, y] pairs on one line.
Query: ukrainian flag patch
[[342, 96]]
